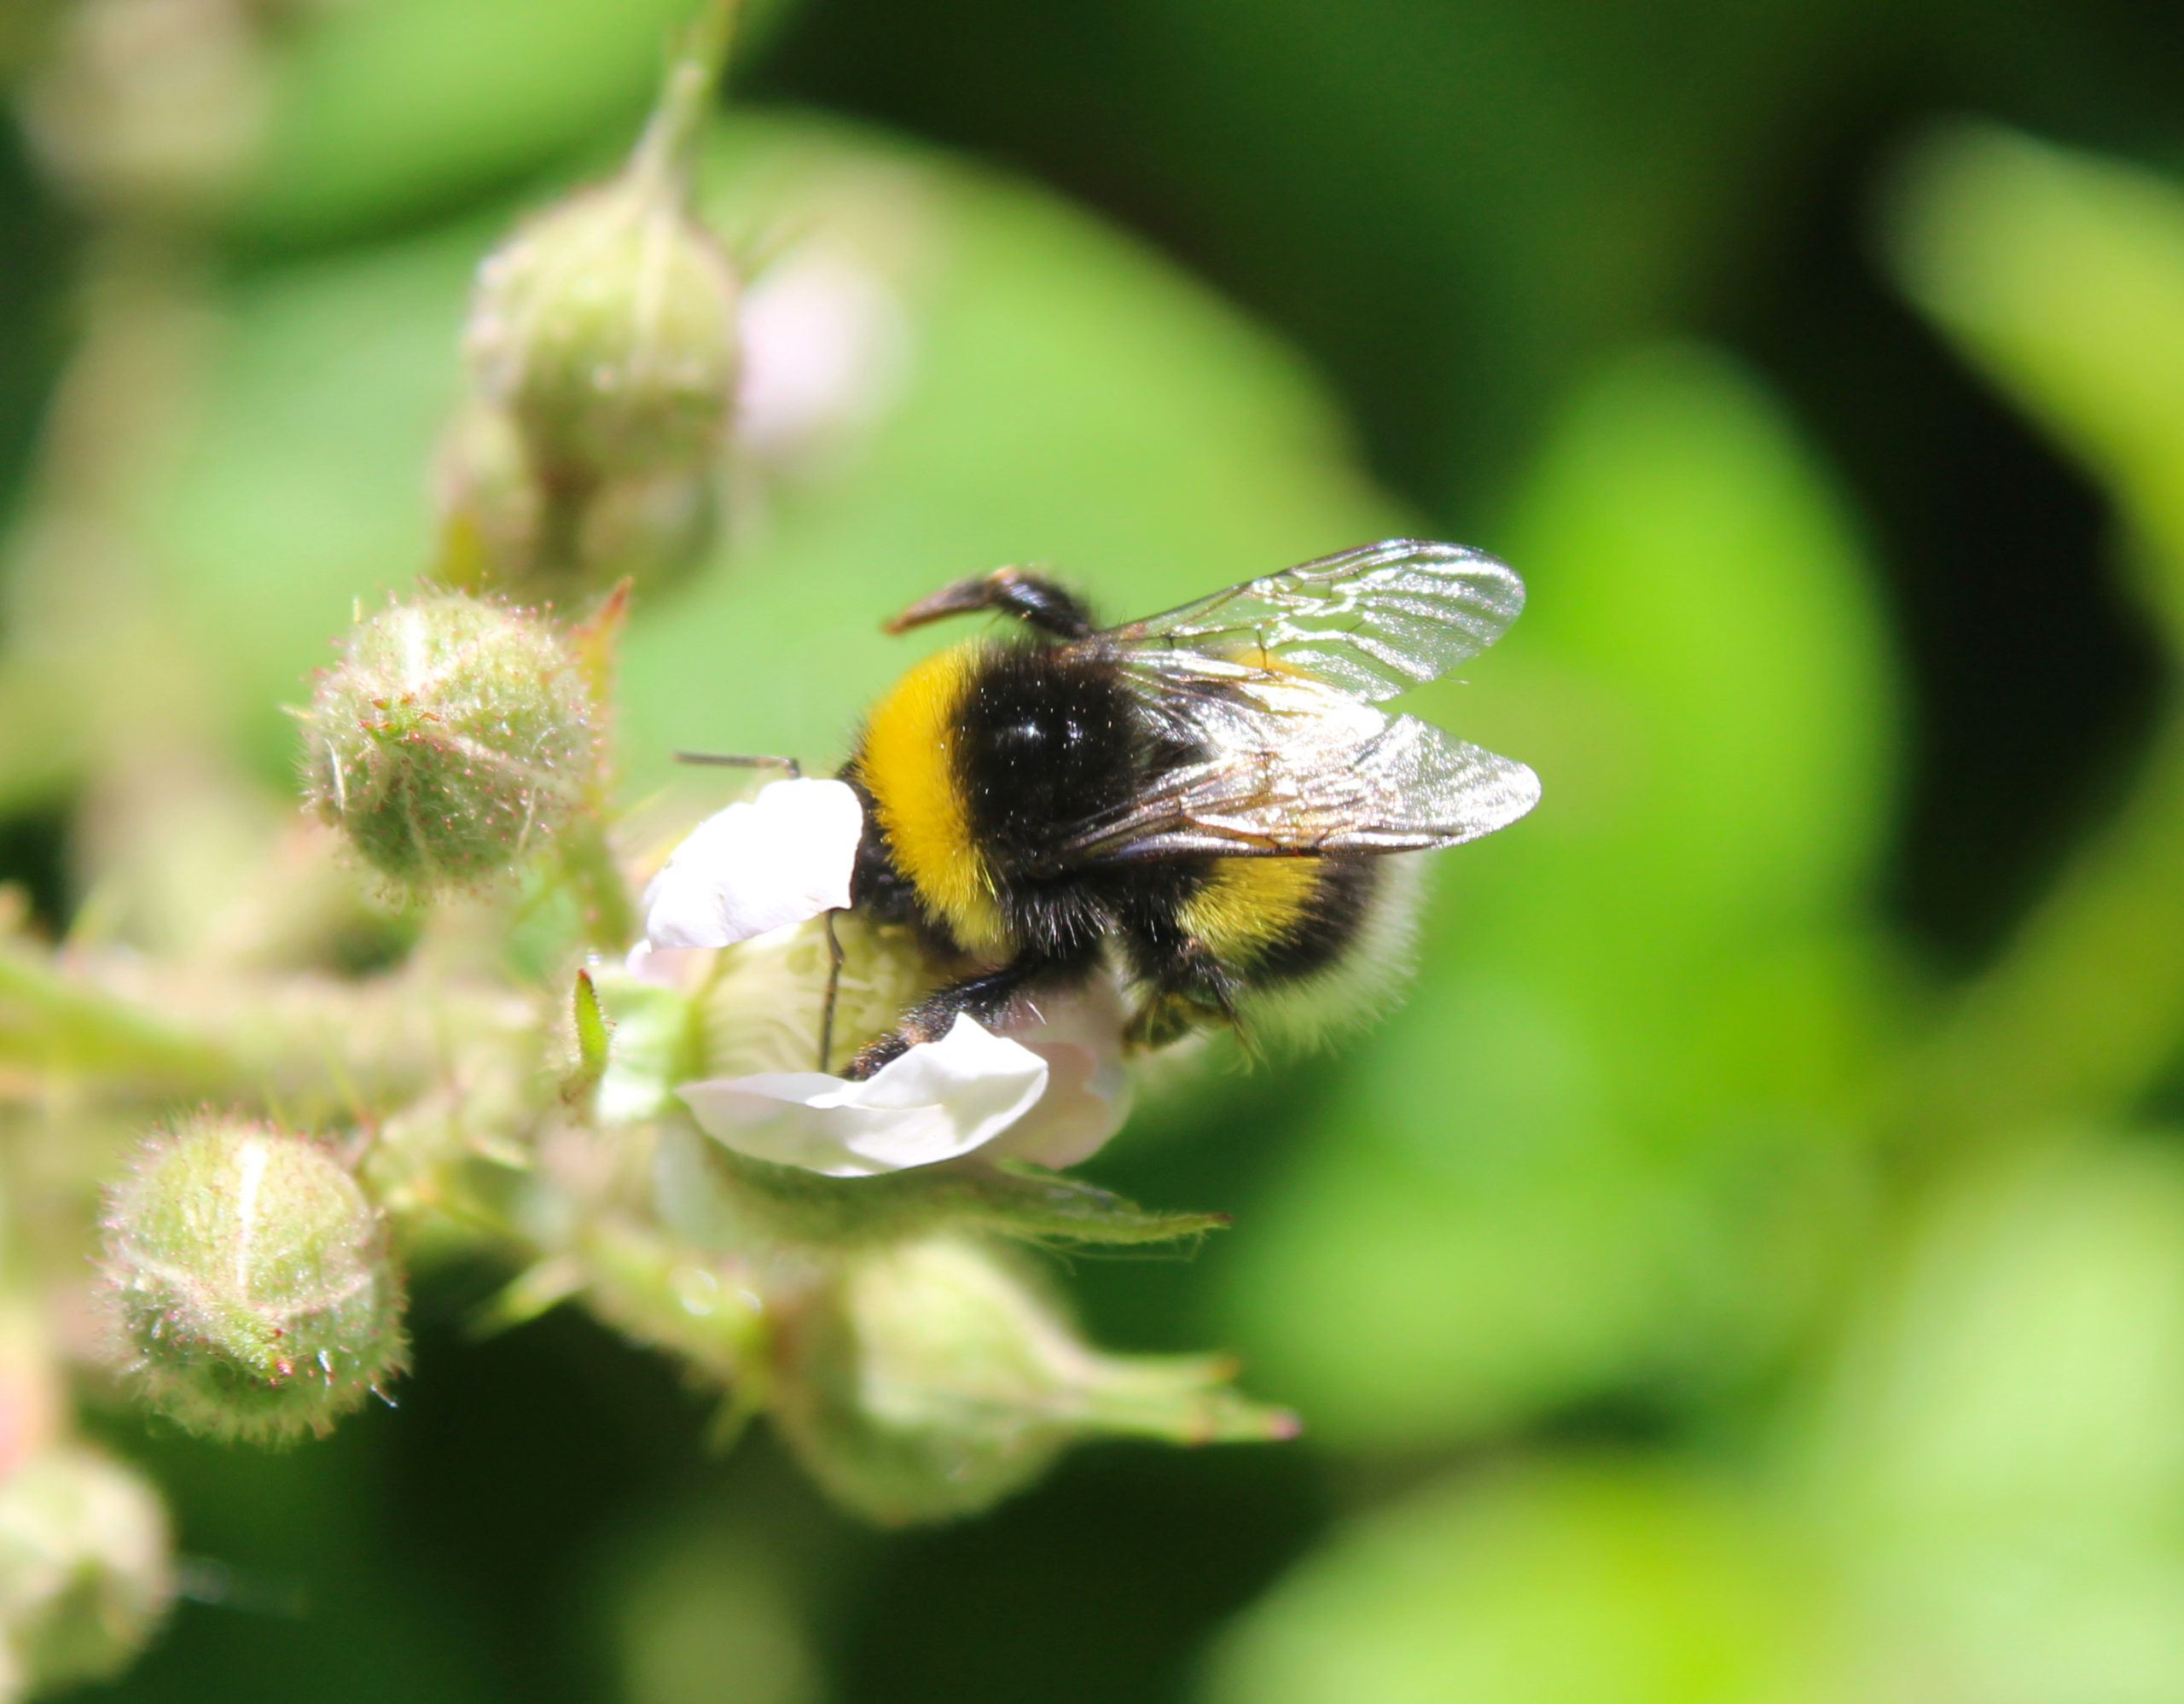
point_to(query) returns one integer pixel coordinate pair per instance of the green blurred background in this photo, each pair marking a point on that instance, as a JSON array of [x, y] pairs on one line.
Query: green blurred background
[[1750, 1264]]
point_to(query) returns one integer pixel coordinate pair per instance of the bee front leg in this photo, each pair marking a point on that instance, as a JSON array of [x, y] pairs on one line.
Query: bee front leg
[[986, 998]]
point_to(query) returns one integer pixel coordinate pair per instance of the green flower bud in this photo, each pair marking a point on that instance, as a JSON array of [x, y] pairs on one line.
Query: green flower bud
[[153, 107], [928, 1382], [85, 1570], [453, 736], [603, 351], [493, 506], [606, 326], [502, 525], [252, 1280], [650, 526]]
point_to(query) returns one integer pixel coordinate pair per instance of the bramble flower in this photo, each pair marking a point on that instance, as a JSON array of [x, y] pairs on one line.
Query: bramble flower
[[1051, 1080], [1048, 1089], [939, 1100], [1079, 1034]]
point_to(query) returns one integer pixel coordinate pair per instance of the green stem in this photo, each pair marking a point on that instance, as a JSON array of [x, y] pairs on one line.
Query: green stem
[[669, 146], [610, 915], [51, 1019]]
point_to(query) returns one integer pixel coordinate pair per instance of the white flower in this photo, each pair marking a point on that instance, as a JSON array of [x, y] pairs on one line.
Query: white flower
[[755, 867], [939, 1101], [1088, 1097], [1051, 1091]]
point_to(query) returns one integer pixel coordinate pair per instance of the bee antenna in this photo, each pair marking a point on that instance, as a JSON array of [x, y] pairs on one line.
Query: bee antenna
[[741, 760], [1033, 599]]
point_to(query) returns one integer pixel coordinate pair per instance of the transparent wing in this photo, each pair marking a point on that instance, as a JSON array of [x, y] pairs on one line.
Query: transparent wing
[[1293, 765], [1373, 621]]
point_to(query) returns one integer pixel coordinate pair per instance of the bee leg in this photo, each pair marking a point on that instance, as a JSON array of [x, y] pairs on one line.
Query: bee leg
[[1192, 991], [1163, 1020], [985, 998]]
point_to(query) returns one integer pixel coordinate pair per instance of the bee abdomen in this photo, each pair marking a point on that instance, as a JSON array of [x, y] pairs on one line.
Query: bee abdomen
[[1279, 919]]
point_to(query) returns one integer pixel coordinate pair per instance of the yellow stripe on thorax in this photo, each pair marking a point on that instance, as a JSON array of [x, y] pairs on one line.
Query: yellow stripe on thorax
[[909, 766], [1247, 906]]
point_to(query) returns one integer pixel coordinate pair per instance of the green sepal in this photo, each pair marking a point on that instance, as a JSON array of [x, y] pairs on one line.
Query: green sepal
[[725, 1199], [577, 1089]]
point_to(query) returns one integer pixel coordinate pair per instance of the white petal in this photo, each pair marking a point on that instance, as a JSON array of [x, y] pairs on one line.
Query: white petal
[[757, 866], [666, 966], [1088, 1098], [939, 1100]]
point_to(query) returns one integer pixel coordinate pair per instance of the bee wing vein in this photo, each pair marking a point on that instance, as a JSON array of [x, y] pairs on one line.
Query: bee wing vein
[[1373, 621], [1297, 766]]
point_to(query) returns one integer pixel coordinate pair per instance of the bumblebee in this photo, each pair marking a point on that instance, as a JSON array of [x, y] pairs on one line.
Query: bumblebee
[[1202, 800]]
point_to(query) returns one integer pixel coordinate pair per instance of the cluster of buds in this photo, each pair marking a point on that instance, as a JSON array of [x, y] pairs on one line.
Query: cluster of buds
[[678, 1150], [602, 354]]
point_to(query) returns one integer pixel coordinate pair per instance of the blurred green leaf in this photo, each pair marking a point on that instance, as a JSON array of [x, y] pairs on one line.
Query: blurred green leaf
[[391, 108], [703, 1616], [1572, 1583], [1472, 203], [1999, 1465], [1599, 1144], [2061, 274]]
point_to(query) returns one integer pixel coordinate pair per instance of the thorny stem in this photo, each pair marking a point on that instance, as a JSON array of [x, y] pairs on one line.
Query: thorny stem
[[610, 917], [52, 1019]]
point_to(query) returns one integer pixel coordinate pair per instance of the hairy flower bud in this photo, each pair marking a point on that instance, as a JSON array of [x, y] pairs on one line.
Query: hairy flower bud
[[650, 526], [453, 736], [493, 506], [607, 326], [252, 1280], [928, 1381], [85, 1570], [603, 351], [153, 106]]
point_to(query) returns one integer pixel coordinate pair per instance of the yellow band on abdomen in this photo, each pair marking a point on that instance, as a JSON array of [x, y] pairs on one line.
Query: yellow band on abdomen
[[1248, 906]]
